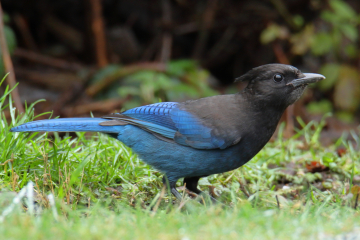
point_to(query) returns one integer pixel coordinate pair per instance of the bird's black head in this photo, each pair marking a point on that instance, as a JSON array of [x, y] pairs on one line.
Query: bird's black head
[[278, 84]]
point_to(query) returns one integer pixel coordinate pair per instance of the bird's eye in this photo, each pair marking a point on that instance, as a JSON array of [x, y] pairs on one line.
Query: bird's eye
[[278, 77]]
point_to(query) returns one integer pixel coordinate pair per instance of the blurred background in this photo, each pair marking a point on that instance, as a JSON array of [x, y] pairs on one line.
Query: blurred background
[[102, 56]]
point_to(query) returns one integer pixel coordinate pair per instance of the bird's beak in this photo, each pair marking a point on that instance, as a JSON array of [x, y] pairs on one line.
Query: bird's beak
[[309, 78]]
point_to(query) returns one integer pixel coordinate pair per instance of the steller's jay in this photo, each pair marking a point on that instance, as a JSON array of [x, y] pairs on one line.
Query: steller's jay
[[197, 138]]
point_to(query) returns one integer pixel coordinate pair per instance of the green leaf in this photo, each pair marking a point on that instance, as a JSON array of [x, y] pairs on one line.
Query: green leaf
[[351, 50], [298, 20], [321, 44], [349, 31], [347, 89], [104, 72], [331, 72], [11, 43], [6, 18], [329, 17], [182, 92], [180, 67], [342, 9], [128, 90], [10, 39], [161, 81], [345, 116], [302, 41], [272, 32], [321, 107]]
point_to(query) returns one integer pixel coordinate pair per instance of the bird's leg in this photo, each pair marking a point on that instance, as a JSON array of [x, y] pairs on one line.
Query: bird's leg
[[172, 186], [191, 184]]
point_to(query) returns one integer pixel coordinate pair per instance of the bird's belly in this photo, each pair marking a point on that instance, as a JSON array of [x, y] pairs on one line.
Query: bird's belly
[[178, 161]]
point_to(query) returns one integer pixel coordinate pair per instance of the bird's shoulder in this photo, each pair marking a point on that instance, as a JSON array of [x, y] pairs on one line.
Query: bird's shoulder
[[213, 106], [215, 121]]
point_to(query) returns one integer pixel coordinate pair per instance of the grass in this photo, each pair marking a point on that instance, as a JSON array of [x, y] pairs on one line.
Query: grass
[[103, 191], [242, 222]]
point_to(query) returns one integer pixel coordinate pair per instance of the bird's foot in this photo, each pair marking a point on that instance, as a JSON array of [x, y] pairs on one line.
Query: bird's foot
[[207, 198]]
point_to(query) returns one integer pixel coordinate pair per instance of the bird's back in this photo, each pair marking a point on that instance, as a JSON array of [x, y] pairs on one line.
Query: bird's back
[[229, 119]]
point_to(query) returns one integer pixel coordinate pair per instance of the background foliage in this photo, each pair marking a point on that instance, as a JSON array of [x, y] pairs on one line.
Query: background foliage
[[174, 50]]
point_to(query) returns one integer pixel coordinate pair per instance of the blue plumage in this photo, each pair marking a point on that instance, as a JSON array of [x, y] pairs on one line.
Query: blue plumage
[[198, 138], [66, 125], [168, 115], [158, 113]]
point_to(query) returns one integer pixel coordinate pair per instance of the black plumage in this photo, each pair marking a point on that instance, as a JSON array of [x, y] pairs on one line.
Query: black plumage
[[201, 137]]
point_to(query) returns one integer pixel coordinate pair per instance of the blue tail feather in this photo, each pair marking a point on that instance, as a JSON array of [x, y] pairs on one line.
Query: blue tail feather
[[67, 125]]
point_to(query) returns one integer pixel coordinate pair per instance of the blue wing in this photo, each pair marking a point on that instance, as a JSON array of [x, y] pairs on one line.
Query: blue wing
[[158, 113], [168, 120], [154, 118]]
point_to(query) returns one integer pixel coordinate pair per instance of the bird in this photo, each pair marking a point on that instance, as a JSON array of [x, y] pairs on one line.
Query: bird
[[198, 138]]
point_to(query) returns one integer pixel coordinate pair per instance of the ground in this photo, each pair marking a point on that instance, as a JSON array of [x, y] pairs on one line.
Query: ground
[[293, 189]]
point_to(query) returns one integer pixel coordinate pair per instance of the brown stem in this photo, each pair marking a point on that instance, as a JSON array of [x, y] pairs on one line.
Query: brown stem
[[46, 60], [284, 12], [243, 189], [207, 21], [97, 27], [279, 53], [11, 80], [24, 30], [277, 201], [68, 34], [105, 106], [167, 37]]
